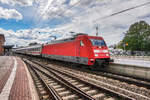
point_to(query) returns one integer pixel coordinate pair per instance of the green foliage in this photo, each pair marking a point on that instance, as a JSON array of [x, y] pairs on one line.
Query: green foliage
[[137, 37]]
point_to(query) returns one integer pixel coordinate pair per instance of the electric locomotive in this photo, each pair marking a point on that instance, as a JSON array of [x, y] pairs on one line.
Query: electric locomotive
[[81, 49]]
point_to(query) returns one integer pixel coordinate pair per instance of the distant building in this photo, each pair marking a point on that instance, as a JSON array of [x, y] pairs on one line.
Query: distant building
[[2, 41], [7, 49]]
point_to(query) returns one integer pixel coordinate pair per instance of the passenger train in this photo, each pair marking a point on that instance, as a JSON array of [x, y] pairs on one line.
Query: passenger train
[[81, 49]]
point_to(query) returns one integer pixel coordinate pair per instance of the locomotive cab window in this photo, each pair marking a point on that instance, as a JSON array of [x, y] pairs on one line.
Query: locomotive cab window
[[96, 42], [81, 43]]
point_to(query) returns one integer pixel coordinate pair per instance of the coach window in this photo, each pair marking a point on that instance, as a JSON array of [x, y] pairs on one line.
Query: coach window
[[81, 43]]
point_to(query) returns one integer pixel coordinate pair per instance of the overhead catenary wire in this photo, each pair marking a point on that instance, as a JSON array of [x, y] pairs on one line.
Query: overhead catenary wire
[[38, 4], [81, 13], [63, 12], [113, 14], [35, 13], [122, 11], [77, 3], [69, 8], [45, 10]]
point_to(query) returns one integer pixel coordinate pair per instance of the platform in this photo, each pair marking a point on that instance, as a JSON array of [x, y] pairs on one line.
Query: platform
[[134, 62], [15, 80], [138, 68]]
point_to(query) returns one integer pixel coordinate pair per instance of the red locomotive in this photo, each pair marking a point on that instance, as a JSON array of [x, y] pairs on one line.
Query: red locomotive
[[81, 48]]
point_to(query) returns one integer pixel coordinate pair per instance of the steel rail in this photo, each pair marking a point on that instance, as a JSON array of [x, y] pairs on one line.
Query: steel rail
[[51, 90], [109, 91], [69, 85]]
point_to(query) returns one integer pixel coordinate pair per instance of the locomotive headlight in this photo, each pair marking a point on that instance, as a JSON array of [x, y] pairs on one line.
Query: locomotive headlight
[[105, 51], [107, 54], [96, 51], [92, 59], [96, 55]]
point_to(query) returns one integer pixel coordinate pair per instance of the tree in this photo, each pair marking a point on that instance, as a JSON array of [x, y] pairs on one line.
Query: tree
[[137, 38]]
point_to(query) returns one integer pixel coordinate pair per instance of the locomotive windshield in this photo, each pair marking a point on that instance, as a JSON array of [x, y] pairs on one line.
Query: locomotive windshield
[[96, 42]]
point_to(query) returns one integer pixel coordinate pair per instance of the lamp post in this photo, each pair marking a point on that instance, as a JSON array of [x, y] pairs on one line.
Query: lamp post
[[124, 43], [97, 30]]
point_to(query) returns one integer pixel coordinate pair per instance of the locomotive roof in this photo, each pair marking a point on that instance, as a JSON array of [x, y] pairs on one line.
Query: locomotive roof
[[66, 39], [70, 38]]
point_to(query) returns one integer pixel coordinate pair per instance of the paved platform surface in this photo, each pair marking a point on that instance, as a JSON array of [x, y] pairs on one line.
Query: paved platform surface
[[145, 58], [132, 60], [15, 80], [140, 63]]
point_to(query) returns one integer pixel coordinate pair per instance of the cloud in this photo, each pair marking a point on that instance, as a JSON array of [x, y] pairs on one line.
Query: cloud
[[49, 9], [81, 18], [10, 14], [17, 2], [84, 17], [26, 36], [72, 2]]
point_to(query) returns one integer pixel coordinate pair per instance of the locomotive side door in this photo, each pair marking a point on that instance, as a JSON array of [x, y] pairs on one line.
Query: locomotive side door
[[81, 51], [78, 51]]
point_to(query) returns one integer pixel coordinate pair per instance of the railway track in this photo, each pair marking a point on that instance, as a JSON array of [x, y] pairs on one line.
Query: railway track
[[105, 73], [69, 87], [130, 80], [44, 91], [123, 78], [55, 89], [129, 88]]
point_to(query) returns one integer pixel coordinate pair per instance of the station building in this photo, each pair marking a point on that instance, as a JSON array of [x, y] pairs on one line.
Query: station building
[[2, 41]]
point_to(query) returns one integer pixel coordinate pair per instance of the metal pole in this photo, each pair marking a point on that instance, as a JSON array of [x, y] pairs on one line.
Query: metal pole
[[97, 30], [124, 46]]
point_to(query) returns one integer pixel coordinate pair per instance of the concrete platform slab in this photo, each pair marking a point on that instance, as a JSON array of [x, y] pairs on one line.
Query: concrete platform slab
[[140, 63]]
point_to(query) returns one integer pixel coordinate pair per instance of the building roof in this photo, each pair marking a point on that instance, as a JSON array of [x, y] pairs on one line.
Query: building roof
[[8, 46], [2, 35]]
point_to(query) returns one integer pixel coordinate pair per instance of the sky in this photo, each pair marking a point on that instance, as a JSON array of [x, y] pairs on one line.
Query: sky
[[26, 21]]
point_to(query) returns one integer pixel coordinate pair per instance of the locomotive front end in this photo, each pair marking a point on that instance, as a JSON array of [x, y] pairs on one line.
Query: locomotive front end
[[100, 52]]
